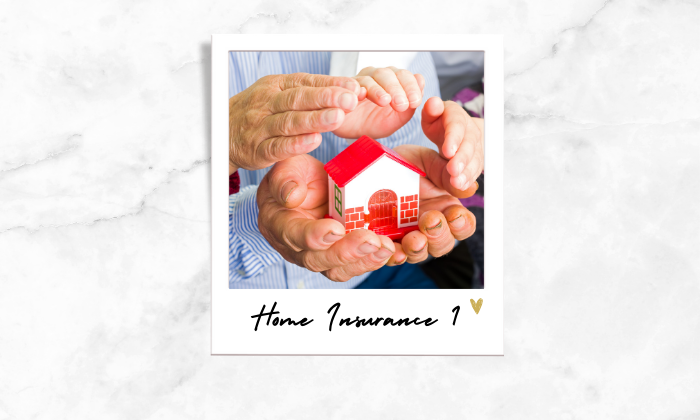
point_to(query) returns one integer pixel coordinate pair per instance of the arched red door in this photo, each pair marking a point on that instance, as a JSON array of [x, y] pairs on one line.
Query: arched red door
[[383, 209]]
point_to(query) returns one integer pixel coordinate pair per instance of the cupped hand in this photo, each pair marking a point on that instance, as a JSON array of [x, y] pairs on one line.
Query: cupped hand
[[459, 137], [442, 218], [388, 100], [280, 116], [293, 200]]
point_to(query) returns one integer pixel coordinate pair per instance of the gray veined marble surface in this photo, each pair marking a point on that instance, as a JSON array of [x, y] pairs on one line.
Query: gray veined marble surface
[[104, 217]]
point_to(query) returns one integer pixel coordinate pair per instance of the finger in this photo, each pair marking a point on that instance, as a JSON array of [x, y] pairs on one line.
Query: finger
[[363, 94], [434, 226], [386, 78], [421, 82], [299, 181], [468, 177], [399, 256], [356, 245], [410, 86], [294, 230], [432, 111], [312, 98], [276, 149], [295, 80], [454, 122], [287, 181], [434, 166], [461, 222], [415, 246], [292, 123], [375, 93], [364, 265]]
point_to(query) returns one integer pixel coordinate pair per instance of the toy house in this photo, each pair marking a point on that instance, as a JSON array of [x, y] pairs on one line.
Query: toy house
[[371, 187]]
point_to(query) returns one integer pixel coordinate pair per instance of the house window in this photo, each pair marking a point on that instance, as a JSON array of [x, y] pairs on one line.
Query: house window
[[338, 201]]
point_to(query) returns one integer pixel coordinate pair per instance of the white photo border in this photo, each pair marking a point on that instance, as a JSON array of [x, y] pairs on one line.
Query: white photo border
[[232, 331]]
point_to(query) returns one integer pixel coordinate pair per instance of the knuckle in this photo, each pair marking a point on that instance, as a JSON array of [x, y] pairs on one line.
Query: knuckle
[[295, 100], [310, 262], [325, 97], [266, 80], [344, 256], [286, 240], [439, 251], [404, 73], [383, 72], [284, 123], [335, 275]]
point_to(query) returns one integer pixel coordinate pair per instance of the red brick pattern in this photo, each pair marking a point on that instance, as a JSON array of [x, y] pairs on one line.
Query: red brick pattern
[[354, 218], [409, 209]]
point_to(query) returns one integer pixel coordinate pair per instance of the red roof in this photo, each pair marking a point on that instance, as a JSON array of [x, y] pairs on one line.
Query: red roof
[[360, 155]]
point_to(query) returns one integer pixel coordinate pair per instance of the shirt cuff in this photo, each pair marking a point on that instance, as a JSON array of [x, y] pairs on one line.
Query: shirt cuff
[[249, 251]]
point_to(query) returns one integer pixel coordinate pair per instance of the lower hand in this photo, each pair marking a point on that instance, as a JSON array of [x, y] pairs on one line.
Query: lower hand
[[293, 199], [442, 218]]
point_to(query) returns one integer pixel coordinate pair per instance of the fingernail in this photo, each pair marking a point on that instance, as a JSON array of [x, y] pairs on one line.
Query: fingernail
[[310, 139], [367, 248], [458, 222], [347, 101], [400, 100], [461, 181], [351, 86], [385, 98], [401, 262], [383, 254], [331, 237], [331, 116], [287, 190], [419, 250], [414, 97], [438, 226]]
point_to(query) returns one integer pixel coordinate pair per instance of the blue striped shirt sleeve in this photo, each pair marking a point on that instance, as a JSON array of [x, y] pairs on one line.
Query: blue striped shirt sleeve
[[249, 251]]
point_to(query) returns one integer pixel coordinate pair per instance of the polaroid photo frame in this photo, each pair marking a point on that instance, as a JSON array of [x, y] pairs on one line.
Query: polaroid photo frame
[[469, 321]]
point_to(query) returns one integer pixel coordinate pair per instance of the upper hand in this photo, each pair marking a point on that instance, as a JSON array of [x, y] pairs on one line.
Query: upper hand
[[293, 199], [388, 100], [442, 218], [459, 137], [282, 115]]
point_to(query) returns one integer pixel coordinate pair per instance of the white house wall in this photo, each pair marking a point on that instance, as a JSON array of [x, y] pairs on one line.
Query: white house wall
[[384, 174]]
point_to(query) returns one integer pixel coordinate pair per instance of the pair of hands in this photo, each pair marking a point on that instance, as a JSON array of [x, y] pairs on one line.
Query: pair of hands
[[293, 199], [280, 118]]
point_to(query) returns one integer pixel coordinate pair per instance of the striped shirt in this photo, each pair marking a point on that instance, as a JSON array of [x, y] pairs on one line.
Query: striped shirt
[[253, 263]]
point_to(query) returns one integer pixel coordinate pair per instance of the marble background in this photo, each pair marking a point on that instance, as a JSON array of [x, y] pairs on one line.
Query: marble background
[[105, 217]]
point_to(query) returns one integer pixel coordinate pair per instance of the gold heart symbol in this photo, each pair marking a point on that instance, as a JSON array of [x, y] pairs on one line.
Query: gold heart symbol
[[477, 305]]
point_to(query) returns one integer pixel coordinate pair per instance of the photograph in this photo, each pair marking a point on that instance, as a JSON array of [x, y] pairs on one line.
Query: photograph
[[356, 169]]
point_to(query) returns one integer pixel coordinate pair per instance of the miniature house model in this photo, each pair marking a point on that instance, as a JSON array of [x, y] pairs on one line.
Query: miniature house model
[[371, 187]]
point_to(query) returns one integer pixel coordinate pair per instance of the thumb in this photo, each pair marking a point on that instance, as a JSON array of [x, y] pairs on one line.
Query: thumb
[[288, 185]]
